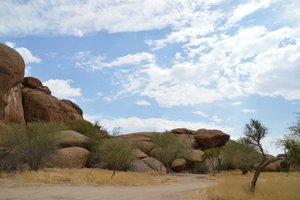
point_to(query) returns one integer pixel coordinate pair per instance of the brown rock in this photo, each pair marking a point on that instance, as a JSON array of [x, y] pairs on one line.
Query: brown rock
[[45, 89], [70, 138], [141, 136], [14, 112], [32, 82], [139, 154], [12, 69], [145, 146], [73, 105], [71, 157], [178, 164], [39, 106], [189, 139], [180, 131], [140, 166], [196, 156], [155, 164], [207, 139]]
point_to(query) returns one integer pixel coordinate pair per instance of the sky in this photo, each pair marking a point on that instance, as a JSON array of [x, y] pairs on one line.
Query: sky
[[156, 65]]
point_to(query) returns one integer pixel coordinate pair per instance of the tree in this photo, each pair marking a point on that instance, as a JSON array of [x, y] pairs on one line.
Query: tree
[[254, 133], [291, 142], [30, 144], [168, 147], [211, 156], [117, 153], [239, 156]]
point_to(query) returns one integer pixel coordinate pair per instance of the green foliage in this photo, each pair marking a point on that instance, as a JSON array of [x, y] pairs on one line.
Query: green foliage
[[200, 168], [212, 156], [116, 152], [291, 141], [167, 147], [239, 156], [94, 131], [29, 144]]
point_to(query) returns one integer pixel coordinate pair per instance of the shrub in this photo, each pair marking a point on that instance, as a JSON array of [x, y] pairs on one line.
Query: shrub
[[167, 147], [94, 131], [200, 168], [29, 144], [116, 152]]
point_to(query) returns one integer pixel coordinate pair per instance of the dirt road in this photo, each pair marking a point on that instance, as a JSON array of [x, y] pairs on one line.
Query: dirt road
[[178, 187]]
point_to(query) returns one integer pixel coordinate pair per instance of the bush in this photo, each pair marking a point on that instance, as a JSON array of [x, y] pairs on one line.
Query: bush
[[117, 153], [94, 131], [167, 147], [200, 168], [29, 144]]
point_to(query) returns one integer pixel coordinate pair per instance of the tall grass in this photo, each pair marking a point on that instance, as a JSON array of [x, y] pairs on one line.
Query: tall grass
[[270, 186], [84, 177]]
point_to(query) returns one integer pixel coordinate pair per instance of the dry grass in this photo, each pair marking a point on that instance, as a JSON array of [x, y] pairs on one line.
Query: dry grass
[[270, 186], [84, 177]]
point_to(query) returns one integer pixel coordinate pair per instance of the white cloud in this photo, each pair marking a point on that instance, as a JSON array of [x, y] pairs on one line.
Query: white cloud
[[25, 53], [136, 124], [86, 60], [82, 17], [202, 114], [237, 103], [216, 119], [248, 110], [62, 88], [142, 102]]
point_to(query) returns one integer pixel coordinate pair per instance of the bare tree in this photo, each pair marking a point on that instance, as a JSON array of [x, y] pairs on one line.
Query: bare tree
[[254, 132]]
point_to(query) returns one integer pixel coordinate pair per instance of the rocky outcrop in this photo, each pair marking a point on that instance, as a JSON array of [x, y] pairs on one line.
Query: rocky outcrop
[[196, 156], [180, 131], [178, 165], [140, 166], [71, 138], [155, 164], [139, 154], [12, 69], [207, 139], [39, 106], [71, 157]]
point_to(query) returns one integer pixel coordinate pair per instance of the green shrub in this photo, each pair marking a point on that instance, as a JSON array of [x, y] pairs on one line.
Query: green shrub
[[29, 144], [94, 131], [116, 152], [200, 168]]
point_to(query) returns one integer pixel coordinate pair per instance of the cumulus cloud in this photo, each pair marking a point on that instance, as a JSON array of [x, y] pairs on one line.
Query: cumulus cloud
[[248, 110], [62, 88], [138, 124], [200, 113], [142, 102], [88, 61]]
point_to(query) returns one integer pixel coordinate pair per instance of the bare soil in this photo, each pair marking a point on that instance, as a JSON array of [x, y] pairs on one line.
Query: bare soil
[[178, 187]]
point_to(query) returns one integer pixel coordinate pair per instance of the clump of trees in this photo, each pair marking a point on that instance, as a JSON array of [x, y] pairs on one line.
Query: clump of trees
[[28, 144], [168, 147]]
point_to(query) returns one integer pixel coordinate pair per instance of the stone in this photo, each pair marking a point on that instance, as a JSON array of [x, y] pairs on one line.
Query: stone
[[178, 164], [39, 106], [12, 68], [155, 164], [73, 105], [196, 156], [180, 131], [207, 139], [45, 89], [71, 157], [14, 112], [141, 136], [140, 166], [189, 139], [145, 146], [32, 82], [70, 138], [139, 154]]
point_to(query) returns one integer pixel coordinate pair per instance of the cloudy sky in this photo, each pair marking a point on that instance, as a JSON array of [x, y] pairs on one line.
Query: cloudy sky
[[154, 65]]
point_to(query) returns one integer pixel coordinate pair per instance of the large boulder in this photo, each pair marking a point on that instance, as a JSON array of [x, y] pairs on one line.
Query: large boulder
[[32, 82], [139, 154], [140, 166], [155, 164], [12, 69], [145, 146], [71, 157], [39, 106], [178, 164], [141, 136], [70, 138], [196, 156], [207, 139], [73, 105], [180, 131], [14, 112]]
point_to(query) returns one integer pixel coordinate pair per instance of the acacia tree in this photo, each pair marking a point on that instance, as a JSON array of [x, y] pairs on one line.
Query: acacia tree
[[211, 156], [254, 133]]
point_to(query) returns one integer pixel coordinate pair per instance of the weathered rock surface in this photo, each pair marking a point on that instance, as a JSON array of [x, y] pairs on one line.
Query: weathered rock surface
[[141, 136], [12, 69], [155, 164], [178, 165], [145, 146], [73, 105], [196, 156], [139, 154], [207, 139], [39, 106], [71, 157], [32, 82], [180, 131], [70, 138], [14, 112], [140, 166]]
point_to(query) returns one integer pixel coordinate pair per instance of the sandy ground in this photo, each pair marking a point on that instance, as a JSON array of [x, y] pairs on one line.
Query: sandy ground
[[178, 187]]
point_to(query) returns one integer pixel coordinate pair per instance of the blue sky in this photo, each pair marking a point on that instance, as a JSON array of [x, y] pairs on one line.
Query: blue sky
[[155, 65]]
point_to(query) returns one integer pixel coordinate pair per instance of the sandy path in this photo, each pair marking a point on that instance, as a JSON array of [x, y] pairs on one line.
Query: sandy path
[[177, 188]]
